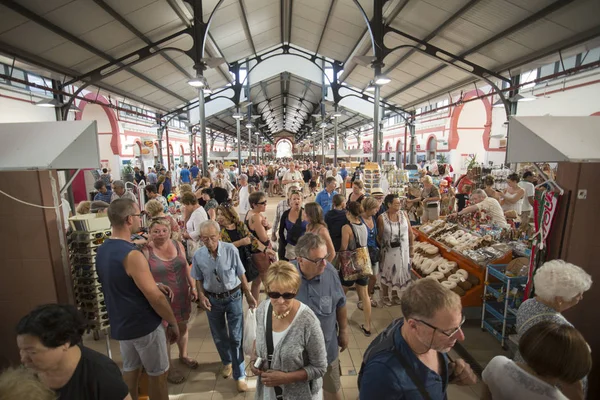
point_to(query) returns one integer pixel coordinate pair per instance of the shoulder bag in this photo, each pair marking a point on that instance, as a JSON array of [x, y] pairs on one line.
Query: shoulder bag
[[356, 263], [270, 349]]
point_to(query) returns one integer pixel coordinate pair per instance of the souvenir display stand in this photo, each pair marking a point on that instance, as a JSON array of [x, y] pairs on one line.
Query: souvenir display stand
[[471, 284], [89, 232], [372, 177]]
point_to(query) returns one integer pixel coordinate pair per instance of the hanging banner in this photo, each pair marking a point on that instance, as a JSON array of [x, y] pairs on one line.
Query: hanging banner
[[147, 152], [545, 206], [367, 149]]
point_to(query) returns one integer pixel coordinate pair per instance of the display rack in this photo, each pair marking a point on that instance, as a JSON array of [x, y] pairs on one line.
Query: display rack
[[500, 315], [372, 177], [83, 246], [474, 296]]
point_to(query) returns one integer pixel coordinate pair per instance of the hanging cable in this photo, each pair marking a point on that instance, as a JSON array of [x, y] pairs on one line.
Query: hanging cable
[[31, 204]]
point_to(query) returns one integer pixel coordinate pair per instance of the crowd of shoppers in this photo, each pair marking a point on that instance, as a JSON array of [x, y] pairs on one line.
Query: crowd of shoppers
[[302, 325]]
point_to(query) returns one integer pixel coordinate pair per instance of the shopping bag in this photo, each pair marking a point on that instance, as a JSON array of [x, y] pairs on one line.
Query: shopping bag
[[354, 264], [249, 331]]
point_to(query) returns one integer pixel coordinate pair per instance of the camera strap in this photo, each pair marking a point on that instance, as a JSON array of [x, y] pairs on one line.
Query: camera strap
[[270, 349]]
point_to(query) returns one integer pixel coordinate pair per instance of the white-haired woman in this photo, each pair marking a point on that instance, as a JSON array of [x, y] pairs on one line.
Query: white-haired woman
[[558, 286]]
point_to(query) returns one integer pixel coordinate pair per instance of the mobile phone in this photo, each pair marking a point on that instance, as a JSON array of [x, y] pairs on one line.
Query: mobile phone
[[258, 363]]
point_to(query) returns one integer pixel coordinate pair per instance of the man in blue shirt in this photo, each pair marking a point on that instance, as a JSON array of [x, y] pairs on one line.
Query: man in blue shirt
[[152, 177], [325, 196], [220, 277], [103, 194], [194, 171], [184, 175], [321, 290], [431, 326]]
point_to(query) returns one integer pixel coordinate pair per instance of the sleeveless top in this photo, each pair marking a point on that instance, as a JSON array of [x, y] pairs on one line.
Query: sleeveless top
[[372, 233], [360, 233], [253, 232], [131, 315]]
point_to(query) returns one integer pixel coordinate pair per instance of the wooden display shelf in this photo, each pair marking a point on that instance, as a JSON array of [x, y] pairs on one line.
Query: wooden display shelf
[[474, 296]]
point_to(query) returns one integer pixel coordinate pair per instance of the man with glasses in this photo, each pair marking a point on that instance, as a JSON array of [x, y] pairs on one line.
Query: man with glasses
[[220, 280], [136, 305], [409, 359], [321, 290]]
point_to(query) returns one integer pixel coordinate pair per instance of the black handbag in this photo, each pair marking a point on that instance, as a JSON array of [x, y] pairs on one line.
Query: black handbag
[[246, 257]]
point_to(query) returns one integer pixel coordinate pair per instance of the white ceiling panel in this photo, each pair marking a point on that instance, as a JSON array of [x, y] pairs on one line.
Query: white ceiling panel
[[144, 90], [109, 36], [171, 78], [578, 16], [236, 51], [495, 15], [9, 19], [41, 7], [451, 46], [428, 87], [67, 54], [347, 12], [505, 50], [466, 33], [129, 6], [227, 13], [131, 84], [441, 80], [483, 61], [44, 39], [88, 16], [264, 25], [423, 16], [153, 16], [116, 79]]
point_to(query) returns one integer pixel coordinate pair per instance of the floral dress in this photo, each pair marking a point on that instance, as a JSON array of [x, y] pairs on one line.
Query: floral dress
[[394, 263], [173, 274]]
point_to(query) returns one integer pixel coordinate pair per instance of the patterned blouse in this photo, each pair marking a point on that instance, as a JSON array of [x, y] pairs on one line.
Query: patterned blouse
[[243, 232]]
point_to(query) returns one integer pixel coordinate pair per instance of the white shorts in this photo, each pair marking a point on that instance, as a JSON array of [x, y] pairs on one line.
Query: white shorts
[[149, 351]]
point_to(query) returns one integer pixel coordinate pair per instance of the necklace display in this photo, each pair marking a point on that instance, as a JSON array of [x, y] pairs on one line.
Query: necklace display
[[282, 316]]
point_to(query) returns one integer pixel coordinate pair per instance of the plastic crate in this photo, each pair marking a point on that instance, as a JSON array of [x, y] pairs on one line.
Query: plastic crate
[[89, 222]]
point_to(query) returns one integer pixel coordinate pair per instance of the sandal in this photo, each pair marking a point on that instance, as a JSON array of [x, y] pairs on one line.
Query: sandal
[[373, 303], [191, 363], [359, 305], [175, 377], [365, 332]]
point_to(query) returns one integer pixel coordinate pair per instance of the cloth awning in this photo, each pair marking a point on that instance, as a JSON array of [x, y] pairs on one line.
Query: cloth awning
[[49, 145], [553, 139]]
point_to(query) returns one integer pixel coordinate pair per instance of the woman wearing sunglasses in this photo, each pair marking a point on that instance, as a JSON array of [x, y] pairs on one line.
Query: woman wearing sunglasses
[[290, 332], [258, 227]]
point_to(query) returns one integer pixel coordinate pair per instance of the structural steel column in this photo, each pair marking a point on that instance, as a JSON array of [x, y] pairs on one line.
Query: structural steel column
[[238, 131], [203, 131], [335, 141], [323, 145], [413, 139], [376, 125]]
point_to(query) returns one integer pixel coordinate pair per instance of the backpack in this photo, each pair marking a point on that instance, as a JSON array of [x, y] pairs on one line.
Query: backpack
[[384, 342]]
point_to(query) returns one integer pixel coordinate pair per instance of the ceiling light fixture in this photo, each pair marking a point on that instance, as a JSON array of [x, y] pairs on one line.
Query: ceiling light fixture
[[48, 103], [198, 82], [323, 125], [382, 80], [238, 116], [207, 90], [249, 125], [370, 88], [74, 108]]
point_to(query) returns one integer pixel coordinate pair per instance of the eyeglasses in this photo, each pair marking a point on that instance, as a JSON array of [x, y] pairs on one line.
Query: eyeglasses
[[318, 260], [209, 238], [454, 332], [286, 296], [138, 215]]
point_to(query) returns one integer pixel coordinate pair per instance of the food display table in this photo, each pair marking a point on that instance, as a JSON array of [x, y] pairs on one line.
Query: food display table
[[474, 296]]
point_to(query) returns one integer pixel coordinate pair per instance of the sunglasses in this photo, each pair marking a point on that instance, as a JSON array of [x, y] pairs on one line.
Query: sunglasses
[[93, 297], [286, 296], [89, 236], [450, 334], [262, 203]]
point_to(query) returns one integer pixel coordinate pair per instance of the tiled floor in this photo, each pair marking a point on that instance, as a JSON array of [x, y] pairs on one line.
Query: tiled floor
[[205, 382]]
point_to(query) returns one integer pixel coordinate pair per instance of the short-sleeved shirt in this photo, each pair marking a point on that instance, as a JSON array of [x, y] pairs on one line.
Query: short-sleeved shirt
[[194, 171], [385, 378], [96, 377], [184, 175], [529, 192], [105, 197], [324, 295], [507, 381], [152, 178], [292, 176], [227, 266], [325, 199], [494, 210]]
